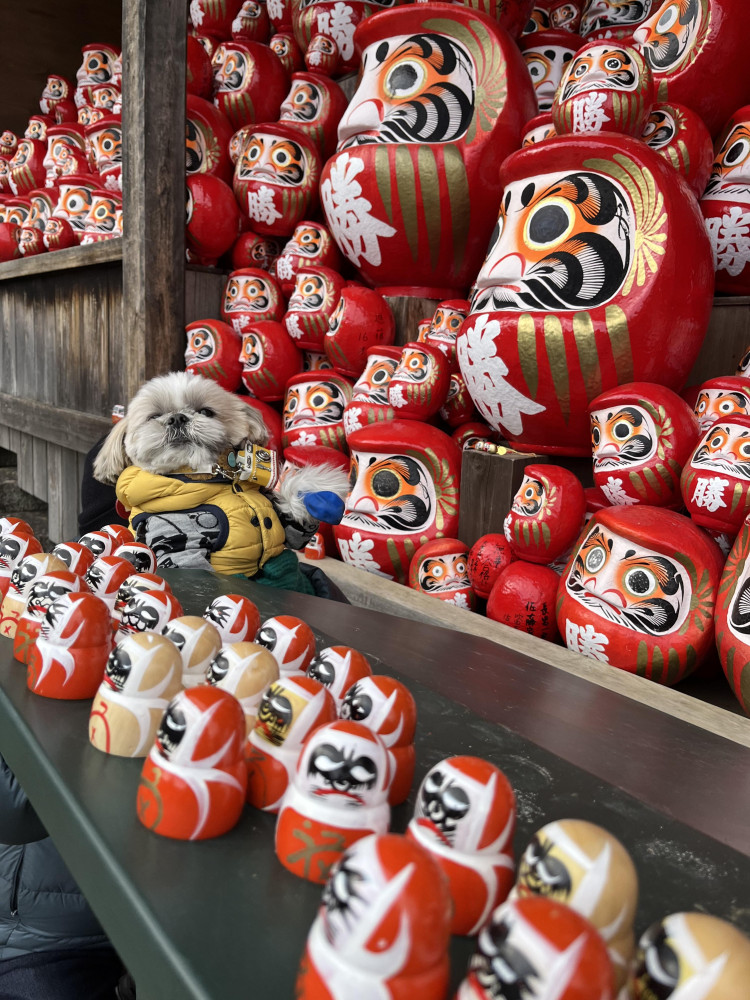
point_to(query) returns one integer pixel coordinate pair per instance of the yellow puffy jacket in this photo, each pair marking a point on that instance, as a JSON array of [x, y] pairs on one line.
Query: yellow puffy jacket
[[201, 521]]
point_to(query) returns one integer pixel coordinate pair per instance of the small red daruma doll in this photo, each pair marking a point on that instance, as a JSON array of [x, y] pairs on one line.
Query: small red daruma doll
[[523, 597], [444, 327], [439, 568], [76, 557], [488, 557], [337, 668], [213, 351], [419, 386], [40, 596], [246, 670], [147, 611], [546, 515], [68, 659], [290, 640], [641, 436], [606, 87], [24, 573], [387, 707], [235, 616], [142, 675], [139, 554], [212, 219], [311, 244], [289, 712], [250, 295], [249, 82], [136, 583], [678, 134], [725, 205], [276, 178], [314, 410], [269, 359], [337, 795], [194, 780], [716, 477], [547, 55], [638, 593], [542, 942], [458, 408], [105, 576], [721, 398], [15, 545], [585, 867], [465, 816], [361, 320], [198, 642], [394, 945], [405, 479], [370, 392], [732, 618], [315, 105], [317, 292]]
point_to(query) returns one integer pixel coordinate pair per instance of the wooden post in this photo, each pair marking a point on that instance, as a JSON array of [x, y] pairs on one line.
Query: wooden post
[[488, 485], [407, 312], [154, 54]]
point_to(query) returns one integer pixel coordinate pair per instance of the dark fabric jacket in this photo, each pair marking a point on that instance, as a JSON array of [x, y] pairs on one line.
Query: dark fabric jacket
[[41, 907]]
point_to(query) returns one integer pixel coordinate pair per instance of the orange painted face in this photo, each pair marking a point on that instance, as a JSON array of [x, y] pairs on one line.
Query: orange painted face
[[413, 88], [617, 14], [624, 582], [101, 215], [233, 70], [719, 404], [372, 385], [97, 67], [74, 205], [303, 102], [667, 37], [660, 129], [313, 403], [442, 573], [603, 67], [311, 293], [201, 345], [530, 497], [245, 294], [546, 65], [730, 173], [389, 493], [445, 325], [725, 448], [107, 145], [195, 147], [273, 159], [546, 227]]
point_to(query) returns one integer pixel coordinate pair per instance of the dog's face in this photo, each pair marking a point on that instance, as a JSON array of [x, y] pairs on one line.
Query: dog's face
[[175, 421]]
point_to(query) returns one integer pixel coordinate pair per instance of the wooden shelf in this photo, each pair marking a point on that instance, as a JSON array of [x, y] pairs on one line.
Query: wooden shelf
[[62, 260]]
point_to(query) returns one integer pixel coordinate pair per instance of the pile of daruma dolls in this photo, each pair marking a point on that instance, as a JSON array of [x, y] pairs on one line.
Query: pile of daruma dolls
[[230, 711], [61, 182]]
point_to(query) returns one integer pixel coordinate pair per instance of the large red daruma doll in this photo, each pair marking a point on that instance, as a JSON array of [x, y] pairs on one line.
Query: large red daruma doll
[[639, 592], [697, 53], [596, 241], [404, 491], [409, 195]]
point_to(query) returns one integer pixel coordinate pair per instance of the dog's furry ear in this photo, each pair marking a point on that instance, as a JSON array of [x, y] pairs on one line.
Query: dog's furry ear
[[112, 458], [255, 431]]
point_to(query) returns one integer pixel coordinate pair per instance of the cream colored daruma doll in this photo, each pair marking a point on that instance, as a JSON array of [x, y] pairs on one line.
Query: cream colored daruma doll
[[142, 675], [246, 670], [198, 642], [585, 867]]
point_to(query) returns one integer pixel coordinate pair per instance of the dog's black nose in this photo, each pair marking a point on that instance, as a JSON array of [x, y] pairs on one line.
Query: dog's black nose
[[176, 420]]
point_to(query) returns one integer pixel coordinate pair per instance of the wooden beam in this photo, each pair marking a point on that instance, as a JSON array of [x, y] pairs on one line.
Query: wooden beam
[[62, 260], [366, 590], [154, 47], [66, 428]]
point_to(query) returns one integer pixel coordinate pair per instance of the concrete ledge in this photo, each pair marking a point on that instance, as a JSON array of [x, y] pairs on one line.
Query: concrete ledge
[[366, 590]]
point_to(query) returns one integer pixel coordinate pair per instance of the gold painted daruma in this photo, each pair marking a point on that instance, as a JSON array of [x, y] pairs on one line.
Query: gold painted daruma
[[583, 288]]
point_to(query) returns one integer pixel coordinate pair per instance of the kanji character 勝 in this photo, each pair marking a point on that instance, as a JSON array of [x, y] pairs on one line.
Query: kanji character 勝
[[709, 493], [584, 639], [357, 231]]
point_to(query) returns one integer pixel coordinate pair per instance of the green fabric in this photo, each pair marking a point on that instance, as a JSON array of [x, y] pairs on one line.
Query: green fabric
[[283, 571]]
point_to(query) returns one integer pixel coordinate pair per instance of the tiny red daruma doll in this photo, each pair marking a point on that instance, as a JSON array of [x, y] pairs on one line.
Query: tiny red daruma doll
[[639, 593], [337, 668], [269, 359], [641, 436], [721, 398], [444, 328], [439, 569], [488, 557], [551, 15], [541, 942], [419, 385], [310, 244], [582, 270], [337, 795], [22, 576], [716, 477], [213, 351], [405, 479], [15, 545], [147, 611], [289, 712], [249, 82], [143, 674], [369, 403], [40, 596], [546, 515], [387, 707], [523, 597], [290, 640], [251, 295], [315, 105], [276, 178], [678, 134], [394, 945], [547, 55], [207, 136], [465, 817], [409, 195], [235, 617], [585, 867], [212, 219], [317, 292], [68, 659], [732, 618], [361, 320], [194, 780]]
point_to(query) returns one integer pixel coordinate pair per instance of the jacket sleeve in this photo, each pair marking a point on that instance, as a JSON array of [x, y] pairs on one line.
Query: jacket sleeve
[[19, 824]]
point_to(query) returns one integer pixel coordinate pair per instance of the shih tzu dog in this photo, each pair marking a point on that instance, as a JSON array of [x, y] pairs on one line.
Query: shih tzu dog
[[191, 468]]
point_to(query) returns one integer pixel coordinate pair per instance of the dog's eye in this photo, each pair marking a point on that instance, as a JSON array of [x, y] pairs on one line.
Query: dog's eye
[[154, 416], [207, 412]]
